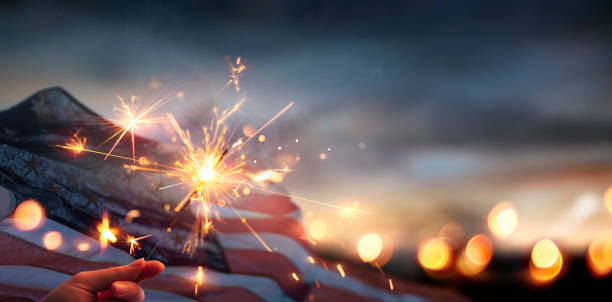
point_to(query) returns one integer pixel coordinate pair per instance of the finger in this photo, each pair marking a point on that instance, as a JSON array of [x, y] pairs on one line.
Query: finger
[[127, 290], [151, 269], [102, 279]]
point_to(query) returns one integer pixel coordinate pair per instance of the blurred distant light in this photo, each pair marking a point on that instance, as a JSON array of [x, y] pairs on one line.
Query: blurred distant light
[[608, 199], [546, 261], [479, 250], [476, 256], [453, 232], [323, 156], [599, 257], [545, 253], [369, 247], [29, 215], [362, 145], [249, 130], [261, 138], [318, 229], [131, 214], [502, 219], [180, 94], [83, 247], [52, 240], [434, 254]]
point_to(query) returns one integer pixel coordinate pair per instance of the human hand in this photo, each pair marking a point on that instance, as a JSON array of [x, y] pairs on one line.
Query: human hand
[[121, 280]]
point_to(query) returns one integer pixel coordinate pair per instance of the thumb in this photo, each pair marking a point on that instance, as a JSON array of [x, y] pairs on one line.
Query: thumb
[[103, 279]]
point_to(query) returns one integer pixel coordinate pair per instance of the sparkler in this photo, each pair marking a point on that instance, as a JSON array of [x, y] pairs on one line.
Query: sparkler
[[134, 244]]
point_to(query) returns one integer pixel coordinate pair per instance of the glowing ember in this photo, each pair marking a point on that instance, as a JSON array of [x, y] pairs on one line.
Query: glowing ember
[[502, 219], [199, 279], [434, 254], [369, 247], [390, 284], [236, 70], [29, 215], [106, 233], [341, 270], [295, 276]]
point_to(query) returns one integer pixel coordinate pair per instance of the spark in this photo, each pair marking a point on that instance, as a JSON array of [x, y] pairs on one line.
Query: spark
[[295, 276], [76, 143], [236, 69], [199, 279], [134, 244], [341, 270], [391, 284], [130, 118], [106, 233]]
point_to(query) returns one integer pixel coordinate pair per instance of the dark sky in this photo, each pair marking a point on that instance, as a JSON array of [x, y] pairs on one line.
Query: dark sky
[[439, 91]]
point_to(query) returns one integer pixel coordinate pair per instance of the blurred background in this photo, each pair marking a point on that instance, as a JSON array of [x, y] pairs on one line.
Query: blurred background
[[427, 114]]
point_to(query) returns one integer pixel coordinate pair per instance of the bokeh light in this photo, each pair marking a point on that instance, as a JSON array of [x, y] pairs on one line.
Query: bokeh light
[[52, 240], [599, 256], [476, 256], [369, 247], [83, 247], [545, 253], [502, 219], [29, 215], [608, 199], [434, 254], [318, 229], [546, 261], [479, 250]]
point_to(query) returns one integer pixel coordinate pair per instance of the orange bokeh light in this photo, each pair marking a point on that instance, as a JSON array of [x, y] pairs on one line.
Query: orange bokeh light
[[369, 247], [52, 240], [29, 215], [434, 254], [479, 250], [599, 257], [476, 256], [502, 219], [318, 229], [546, 261]]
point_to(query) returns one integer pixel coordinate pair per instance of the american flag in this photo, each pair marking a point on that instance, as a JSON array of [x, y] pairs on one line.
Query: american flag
[[75, 192]]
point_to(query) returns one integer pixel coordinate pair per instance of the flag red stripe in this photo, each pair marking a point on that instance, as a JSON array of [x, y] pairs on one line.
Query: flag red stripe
[[281, 225], [12, 292], [270, 204], [264, 263]]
